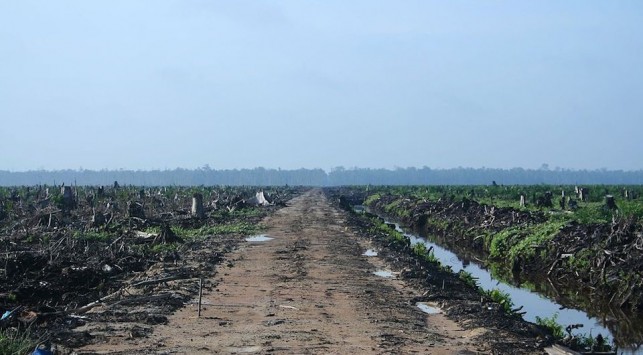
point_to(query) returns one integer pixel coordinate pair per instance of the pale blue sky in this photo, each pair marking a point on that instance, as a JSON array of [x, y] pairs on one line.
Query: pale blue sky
[[290, 84]]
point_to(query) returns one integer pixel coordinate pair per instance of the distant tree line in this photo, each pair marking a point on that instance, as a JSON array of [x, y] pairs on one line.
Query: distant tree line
[[318, 177]]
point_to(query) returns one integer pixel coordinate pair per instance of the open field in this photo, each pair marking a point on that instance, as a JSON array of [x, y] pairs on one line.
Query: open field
[[130, 282]]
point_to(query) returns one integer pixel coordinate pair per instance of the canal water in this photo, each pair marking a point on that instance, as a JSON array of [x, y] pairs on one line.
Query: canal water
[[533, 304]]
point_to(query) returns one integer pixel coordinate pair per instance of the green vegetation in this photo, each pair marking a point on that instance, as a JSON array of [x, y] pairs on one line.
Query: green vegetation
[[14, 342], [427, 255], [164, 248], [549, 209], [501, 298], [230, 228], [551, 324], [516, 242], [468, 279], [563, 232], [590, 210], [372, 198]]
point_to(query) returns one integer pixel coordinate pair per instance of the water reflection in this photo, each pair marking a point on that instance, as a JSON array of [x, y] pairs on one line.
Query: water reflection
[[626, 330]]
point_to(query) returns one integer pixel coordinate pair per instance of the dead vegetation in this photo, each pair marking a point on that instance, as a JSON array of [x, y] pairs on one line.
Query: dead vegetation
[[73, 256]]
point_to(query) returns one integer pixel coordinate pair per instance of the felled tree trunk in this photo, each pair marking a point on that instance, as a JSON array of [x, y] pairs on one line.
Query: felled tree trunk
[[197, 206]]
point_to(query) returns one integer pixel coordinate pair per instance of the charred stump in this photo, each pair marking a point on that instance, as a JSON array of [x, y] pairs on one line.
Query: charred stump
[[167, 236], [545, 200], [67, 198], [610, 203], [135, 209], [562, 200]]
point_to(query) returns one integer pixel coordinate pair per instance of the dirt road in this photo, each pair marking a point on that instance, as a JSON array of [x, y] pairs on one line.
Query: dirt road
[[307, 291]]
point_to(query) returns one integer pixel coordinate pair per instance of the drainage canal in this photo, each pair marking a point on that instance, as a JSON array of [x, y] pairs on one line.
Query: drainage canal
[[533, 304]]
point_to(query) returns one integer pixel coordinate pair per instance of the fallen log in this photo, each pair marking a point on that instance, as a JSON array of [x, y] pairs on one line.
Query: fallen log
[[161, 280]]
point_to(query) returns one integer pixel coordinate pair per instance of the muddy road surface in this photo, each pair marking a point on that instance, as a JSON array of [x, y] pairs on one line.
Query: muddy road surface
[[310, 290]]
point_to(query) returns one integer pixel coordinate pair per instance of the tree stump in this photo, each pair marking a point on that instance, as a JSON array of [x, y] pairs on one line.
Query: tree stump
[[545, 200], [197, 206], [610, 203], [583, 194], [573, 205], [135, 209], [522, 200], [98, 219], [68, 197]]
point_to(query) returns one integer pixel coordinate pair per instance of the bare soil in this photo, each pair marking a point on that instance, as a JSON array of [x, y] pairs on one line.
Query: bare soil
[[308, 291]]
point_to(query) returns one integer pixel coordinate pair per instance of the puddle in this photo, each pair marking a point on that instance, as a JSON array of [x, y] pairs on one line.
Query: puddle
[[359, 209], [384, 273], [370, 252], [428, 309], [244, 349], [259, 238]]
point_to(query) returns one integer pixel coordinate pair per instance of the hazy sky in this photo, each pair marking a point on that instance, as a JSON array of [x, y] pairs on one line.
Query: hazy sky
[[164, 84]]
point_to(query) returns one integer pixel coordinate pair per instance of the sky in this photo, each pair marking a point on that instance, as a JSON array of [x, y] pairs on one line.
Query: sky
[[160, 84]]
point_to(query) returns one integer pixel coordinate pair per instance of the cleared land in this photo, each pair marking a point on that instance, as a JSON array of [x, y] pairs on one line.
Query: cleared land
[[309, 290]]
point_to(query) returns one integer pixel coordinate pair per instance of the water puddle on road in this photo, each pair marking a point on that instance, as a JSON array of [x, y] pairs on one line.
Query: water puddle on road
[[259, 238], [244, 349], [384, 273], [370, 252], [424, 307]]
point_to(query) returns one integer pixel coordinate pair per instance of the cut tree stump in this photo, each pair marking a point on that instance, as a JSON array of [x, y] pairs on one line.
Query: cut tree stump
[[197, 206]]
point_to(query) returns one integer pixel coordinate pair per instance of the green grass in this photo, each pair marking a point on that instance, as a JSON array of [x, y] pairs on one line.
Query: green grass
[[468, 279], [164, 248], [501, 298], [93, 236], [421, 251], [371, 199], [242, 213], [14, 342], [219, 229], [551, 324]]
